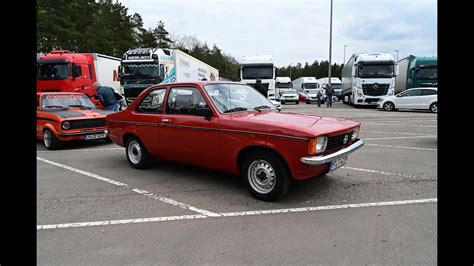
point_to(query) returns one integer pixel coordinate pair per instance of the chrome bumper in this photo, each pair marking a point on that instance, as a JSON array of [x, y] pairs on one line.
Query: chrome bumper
[[318, 160]]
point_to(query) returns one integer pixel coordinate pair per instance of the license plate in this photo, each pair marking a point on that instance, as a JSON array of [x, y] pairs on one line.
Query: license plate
[[95, 136], [337, 163]]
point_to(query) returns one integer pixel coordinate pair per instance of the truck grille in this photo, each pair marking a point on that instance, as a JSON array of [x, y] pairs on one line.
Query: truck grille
[[338, 141], [375, 89], [87, 123]]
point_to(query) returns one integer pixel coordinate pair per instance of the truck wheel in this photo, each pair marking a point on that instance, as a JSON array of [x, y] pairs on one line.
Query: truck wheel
[[137, 155], [388, 106], [266, 175], [434, 107], [50, 140]]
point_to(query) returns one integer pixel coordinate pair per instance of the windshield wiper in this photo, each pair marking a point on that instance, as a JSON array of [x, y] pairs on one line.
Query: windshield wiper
[[54, 106], [236, 109], [80, 106], [259, 108]]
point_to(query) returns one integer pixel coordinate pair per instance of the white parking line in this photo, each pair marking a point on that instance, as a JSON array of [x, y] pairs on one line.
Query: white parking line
[[236, 214], [405, 125], [103, 149], [414, 137], [136, 190], [377, 172], [391, 132], [400, 147]]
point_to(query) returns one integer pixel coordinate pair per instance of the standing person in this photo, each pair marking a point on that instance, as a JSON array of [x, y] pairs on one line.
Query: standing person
[[106, 97], [329, 93], [318, 97], [259, 86]]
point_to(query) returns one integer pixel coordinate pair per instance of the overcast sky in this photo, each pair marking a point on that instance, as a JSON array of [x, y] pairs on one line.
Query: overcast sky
[[298, 31]]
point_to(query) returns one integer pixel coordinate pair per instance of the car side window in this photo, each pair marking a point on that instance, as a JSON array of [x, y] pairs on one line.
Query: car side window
[[412, 93], [153, 102], [429, 92], [184, 101]]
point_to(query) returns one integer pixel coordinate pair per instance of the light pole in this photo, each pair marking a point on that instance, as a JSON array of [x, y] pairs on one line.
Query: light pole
[[330, 45], [290, 70], [344, 60], [397, 54]]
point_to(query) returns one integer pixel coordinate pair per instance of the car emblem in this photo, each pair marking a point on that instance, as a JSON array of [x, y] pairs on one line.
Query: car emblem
[[376, 86], [346, 138]]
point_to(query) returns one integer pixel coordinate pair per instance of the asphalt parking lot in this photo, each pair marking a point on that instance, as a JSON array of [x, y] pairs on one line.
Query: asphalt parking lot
[[380, 208]]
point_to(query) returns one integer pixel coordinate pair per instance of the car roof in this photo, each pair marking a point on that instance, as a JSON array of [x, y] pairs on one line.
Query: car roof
[[429, 88]]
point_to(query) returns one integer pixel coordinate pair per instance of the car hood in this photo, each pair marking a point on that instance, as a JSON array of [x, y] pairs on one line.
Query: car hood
[[289, 124], [77, 113]]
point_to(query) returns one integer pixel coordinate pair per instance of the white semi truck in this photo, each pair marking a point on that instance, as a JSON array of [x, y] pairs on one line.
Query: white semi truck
[[259, 67], [368, 77], [282, 84], [141, 68]]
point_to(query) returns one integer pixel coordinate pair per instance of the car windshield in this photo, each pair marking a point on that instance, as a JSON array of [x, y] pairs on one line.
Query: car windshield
[[132, 72], [310, 85], [376, 71], [313, 91], [427, 73], [230, 98], [62, 101], [52, 71]]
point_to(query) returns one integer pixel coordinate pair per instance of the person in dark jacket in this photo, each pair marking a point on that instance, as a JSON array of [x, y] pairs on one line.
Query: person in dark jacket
[[260, 88], [329, 93], [107, 97]]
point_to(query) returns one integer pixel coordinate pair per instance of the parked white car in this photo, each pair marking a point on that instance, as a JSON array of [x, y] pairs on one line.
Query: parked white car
[[312, 95], [289, 96], [415, 98]]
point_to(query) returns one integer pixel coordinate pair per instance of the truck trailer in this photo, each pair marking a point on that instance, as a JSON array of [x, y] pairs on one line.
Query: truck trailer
[[259, 67], [141, 68], [65, 71], [368, 77], [416, 72]]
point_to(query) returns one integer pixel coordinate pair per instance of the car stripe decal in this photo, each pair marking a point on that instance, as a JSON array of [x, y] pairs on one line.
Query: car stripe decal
[[48, 119]]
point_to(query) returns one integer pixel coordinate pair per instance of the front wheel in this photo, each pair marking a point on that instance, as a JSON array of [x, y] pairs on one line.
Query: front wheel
[[297, 102], [434, 107], [137, 155], [266, 175], [50, 140], [388, 106], [282, 102]]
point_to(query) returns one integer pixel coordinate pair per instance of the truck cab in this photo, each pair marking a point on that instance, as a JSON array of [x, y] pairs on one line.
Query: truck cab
[[336, 84], [423, 72], [282, 84], [259, 67]]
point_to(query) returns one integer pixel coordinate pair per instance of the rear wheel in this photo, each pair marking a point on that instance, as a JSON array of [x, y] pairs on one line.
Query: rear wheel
[[388, 106], [266, 175], [434, 107], [137, 155], [282, 102], [50, 140], [297, 102], [308, 102]]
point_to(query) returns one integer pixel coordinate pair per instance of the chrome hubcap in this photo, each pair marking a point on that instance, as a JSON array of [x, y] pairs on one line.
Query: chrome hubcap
[[134, 152], [261, 176], [47, 138], [388, 106], [434, 108]]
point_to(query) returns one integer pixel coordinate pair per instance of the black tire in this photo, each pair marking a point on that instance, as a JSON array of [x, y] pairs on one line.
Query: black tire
[[297, 102], [282, 102], [50, 141], [137, 155], [388, 106], [434, 107], [265, 160], [308, 102]]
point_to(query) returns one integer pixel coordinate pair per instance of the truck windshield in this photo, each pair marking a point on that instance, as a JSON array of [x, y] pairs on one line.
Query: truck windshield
[[376, 71], [52, 71], [60, 101], [283, 85], [427, 73], [257, 72], [230, 98], [310, 85], [140, 71]]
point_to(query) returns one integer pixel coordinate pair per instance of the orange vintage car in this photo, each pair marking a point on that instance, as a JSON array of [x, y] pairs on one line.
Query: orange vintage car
[[67, 116]]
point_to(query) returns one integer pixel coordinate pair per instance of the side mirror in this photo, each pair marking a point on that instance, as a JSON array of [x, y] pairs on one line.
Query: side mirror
[[397, 70], [119, 71], [353, 71], [76, 71], [278, 108], [204, 111], [162, 72]]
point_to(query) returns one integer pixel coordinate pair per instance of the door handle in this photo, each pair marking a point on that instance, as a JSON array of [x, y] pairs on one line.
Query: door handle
[[165, 120]]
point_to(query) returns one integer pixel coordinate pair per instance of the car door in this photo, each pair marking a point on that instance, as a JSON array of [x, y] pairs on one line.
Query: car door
[[408, 99], [186, 136], [148, 115]]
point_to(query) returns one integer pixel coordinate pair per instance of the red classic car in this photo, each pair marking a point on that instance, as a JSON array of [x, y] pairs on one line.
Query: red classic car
[[232, 127], [66, 116]]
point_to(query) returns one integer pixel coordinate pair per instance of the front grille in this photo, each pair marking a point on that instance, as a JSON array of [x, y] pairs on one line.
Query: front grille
[[337, 141], [381, 89], [87, 123]]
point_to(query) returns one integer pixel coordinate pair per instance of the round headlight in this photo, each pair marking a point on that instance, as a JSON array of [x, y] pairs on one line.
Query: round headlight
[[66, 125], [355, 134]]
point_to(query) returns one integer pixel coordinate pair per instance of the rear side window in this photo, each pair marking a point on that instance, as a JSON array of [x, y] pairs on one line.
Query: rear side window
[[184, 101], [412, 93], [429, 92], [153, 102]]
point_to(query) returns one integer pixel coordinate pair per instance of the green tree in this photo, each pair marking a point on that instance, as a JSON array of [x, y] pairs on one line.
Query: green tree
[[162, 36]]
